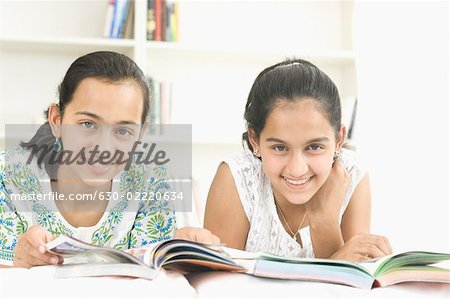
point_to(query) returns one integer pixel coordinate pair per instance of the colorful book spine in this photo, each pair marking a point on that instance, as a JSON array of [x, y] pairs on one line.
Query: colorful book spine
[[113, 17], [151, 25], [162, 20], [158, 20], [119, 21], [117, 18], [174, 22], [127, 29], [109, 19]]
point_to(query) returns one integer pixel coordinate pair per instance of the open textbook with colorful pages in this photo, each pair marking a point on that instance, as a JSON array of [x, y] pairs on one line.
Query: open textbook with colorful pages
[[82, 259], [403, 267]]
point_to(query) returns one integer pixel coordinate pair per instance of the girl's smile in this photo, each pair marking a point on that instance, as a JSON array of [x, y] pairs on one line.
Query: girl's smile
[[298, 184], [99, 169]]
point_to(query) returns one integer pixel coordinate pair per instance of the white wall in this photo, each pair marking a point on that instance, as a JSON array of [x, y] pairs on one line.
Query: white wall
[[402, 60]]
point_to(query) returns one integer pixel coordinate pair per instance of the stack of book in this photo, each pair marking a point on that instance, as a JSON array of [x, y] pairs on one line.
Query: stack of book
[[162, 20], [119, 19]]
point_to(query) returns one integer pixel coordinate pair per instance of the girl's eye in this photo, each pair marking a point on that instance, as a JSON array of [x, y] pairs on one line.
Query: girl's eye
[[88, 125], [315, 147], [124, 132], [279, 148]]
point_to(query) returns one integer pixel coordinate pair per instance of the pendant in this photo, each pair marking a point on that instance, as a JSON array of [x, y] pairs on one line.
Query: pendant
[[295, 237]]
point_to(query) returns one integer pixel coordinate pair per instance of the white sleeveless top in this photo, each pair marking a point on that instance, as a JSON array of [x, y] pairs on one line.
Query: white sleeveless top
[[255, 191]]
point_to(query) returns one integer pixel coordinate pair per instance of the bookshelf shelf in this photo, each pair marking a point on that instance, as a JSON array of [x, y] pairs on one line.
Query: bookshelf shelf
[[66, 44], [330, 57], [127, 46]]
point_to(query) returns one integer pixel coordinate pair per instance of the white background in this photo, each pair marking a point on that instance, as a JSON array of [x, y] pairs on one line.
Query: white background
[[402, 61]]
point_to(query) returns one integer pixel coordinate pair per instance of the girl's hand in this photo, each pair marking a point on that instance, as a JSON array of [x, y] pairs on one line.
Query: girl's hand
[[363, 247], [196, 234], [30, 250], [326, 203]]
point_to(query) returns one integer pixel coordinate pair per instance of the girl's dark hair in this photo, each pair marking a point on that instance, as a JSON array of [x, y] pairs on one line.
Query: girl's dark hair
[[108, 66], [291, 80]]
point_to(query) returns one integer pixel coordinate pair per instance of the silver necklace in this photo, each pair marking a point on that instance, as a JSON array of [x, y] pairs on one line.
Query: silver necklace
[[294, 235]]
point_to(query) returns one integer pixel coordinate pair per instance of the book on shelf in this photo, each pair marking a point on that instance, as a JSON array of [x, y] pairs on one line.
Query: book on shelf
[[158, 20], [160, 101], [174, 21], [127, 30], [151, 22], [162, 20], [187, 256], [119, 21], [109, 19], [83, 260]]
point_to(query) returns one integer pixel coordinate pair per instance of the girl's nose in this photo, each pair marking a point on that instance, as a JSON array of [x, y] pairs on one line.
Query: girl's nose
[[297, 165], [105, 140]]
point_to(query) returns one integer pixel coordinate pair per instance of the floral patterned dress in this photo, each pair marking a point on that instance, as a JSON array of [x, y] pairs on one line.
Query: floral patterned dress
[[128, 221]]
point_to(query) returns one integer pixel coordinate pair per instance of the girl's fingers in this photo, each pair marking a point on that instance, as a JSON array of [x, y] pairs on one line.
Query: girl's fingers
[[39, 261], [215, 239], [372, 251], [206, 237], [38, 236], [30, 249], [388, 245], [360, 258], [382, 243], [32, 256]]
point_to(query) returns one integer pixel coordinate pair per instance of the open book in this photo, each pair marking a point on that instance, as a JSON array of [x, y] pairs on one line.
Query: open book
[[83, 259], [389, 270]]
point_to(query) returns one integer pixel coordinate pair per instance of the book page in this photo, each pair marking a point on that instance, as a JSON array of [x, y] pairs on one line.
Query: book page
[[240, 254], [404, 259], [372, 265], [144, 254], [77, 252], [185, 251]]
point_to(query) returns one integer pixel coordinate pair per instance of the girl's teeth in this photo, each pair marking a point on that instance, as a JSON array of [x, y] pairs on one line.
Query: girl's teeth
[[299, 182]]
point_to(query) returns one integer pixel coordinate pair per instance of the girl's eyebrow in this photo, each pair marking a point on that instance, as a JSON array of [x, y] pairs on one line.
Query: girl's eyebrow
[[320, 139], [277, 140], [97, 117]]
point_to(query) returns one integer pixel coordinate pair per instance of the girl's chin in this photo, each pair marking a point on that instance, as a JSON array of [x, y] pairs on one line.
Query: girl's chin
[[93, 181], [297, 197], [96, 182], [297, 201]]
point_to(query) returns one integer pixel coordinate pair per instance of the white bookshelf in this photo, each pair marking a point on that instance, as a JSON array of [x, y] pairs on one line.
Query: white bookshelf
[[223, 46]]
